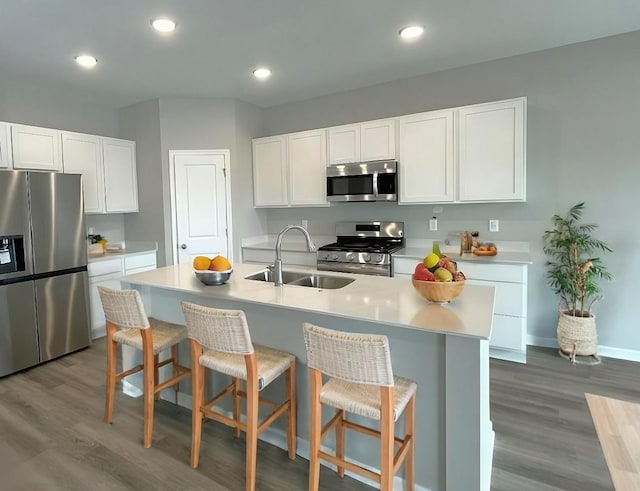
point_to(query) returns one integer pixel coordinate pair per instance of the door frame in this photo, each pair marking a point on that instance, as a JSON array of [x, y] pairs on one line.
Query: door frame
[[172, 191]]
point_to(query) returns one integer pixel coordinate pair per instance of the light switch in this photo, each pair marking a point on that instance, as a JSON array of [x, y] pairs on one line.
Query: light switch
[[494, 225], [433, 224]]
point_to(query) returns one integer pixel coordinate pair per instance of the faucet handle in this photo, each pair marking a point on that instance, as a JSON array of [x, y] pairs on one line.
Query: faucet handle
[[271, 267]]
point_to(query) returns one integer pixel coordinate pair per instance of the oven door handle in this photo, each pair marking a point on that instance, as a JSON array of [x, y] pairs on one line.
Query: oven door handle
[[375, 183]]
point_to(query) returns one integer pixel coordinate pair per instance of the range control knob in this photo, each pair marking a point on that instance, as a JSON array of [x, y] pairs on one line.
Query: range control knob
[[379, 258], [366, 257], [334, 257], [349, 256], [324, 256]]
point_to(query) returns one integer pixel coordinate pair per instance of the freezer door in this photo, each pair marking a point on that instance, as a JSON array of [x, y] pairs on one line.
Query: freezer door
[[14, 216], [57, 219], [18, 333], [63, 314]]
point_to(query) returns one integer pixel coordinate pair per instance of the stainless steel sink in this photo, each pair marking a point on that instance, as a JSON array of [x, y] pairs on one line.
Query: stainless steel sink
[[322, 281], [267, 275], [295, 278]]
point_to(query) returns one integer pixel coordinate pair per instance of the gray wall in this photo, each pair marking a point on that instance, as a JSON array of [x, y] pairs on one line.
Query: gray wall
[[141, 122], [40, 103], [582, 145], [161, 125]]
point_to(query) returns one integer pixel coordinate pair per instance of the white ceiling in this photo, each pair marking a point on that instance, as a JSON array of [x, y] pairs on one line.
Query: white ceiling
[[314, 47]]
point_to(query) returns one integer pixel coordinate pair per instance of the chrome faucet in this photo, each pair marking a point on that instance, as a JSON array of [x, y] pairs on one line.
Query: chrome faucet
[[277, 266]]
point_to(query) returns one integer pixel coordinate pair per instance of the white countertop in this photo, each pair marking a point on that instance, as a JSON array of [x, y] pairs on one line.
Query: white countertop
[[390, 301], [131, 249], [503, 257]]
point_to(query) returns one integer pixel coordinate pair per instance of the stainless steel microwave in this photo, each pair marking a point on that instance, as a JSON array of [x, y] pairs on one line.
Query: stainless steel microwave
[[363, 181]]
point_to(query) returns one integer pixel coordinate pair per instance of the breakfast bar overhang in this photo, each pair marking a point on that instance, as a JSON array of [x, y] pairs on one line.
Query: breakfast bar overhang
[[444, 348]]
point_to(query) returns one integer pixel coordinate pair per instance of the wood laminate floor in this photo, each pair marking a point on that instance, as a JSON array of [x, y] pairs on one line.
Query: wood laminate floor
[[52, 436], [618, 426]]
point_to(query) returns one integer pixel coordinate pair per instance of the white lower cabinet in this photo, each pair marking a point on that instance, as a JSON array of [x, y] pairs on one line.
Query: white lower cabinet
[[108, 273], [509, 334]]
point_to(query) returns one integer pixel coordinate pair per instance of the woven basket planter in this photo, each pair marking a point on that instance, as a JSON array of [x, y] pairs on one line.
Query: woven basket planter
[[577, 335]]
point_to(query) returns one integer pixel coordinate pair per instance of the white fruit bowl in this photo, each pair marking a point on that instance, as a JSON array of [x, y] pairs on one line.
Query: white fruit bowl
[[438, 291]]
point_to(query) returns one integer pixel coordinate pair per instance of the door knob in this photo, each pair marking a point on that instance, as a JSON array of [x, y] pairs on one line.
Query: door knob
[[183, 246]]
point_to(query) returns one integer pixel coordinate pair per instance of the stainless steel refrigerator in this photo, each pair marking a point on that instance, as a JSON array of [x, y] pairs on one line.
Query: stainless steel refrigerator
[[43, 268]]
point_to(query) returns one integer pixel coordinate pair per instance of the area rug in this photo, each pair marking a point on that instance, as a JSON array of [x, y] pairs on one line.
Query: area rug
[[618, 426]]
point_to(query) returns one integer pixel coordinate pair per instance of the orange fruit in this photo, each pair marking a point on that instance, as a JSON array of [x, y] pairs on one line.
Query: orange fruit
[[201, 262], [219, 263]]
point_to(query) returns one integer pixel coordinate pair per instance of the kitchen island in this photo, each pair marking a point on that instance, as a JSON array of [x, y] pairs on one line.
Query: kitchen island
[[443, 348]]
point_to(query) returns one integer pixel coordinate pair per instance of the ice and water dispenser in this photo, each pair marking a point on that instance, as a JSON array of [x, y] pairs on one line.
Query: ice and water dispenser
[[11, 254]]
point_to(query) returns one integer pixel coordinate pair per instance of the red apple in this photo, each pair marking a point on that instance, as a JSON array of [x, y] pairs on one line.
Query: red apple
[[422, 273]]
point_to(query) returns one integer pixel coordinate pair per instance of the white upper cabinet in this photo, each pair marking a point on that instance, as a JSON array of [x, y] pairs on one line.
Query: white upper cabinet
[[6, 158], [491, 151], [270, 171], [307, 168], [120, 175], [82, 154], [362, 142], [378, 140], [426, 154], [344, 144], [35, 148]]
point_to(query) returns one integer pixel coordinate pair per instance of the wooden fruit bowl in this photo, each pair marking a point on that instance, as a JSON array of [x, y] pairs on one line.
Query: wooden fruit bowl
[[438, 292]]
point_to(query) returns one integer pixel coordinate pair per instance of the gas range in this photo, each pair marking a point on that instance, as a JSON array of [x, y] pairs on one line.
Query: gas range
[[362, 247]]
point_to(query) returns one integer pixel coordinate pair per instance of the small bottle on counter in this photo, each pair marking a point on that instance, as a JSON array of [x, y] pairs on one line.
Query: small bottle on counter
[[474, 240]]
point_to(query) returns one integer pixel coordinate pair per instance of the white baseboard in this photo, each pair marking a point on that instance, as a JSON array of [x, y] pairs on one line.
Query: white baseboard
[[508, 355], [278, 438], [608, 351]]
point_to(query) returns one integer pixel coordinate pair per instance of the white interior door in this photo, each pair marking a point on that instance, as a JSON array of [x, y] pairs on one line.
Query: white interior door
[[200, 197]]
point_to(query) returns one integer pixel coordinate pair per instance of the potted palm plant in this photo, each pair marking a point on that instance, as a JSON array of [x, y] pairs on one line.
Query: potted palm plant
[[573, 272]]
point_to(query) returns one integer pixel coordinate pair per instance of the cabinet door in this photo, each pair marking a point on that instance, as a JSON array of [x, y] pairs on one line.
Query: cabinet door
[[270, 172], [426, 168], [120, 176], [378, 140], [98, 322], [344, 144], [35, 148], [81, 154], [307, 168], [491, 151], [5, 148]]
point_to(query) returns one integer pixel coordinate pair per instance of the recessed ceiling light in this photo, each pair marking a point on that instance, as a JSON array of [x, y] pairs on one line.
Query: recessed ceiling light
[[162, 24], [262, 73], [411, 32], [86, 61]]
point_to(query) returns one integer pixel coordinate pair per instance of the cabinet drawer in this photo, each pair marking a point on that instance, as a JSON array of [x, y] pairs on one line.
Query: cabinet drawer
[[404, 265], [139, 270], [510, 297], [139, 261], [514, 273], [105, 267], [508, 332]]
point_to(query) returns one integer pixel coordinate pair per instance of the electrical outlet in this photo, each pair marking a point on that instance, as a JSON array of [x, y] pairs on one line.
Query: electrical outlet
[[433, 224], [305, 224], [494, 225]]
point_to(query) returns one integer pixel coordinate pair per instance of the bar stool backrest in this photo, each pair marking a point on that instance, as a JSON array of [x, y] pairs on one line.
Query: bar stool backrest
[[123, 308], [358, 358], [218, 329]]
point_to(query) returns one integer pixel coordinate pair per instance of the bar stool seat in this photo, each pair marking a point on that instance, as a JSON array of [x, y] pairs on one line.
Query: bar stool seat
[[271, 363], [165, 335], [363, 399]]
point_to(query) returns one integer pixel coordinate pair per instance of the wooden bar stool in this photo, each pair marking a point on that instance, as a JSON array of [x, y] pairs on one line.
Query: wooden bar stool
[[362, 383], [220, 341], [127, 323]]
